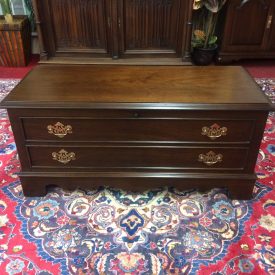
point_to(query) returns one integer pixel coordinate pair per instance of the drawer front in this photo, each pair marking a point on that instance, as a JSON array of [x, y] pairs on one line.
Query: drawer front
[[159, 157], [137, 129]]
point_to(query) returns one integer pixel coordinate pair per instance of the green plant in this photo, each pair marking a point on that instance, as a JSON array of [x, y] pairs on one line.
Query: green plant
[[5, 5], [205, 22]]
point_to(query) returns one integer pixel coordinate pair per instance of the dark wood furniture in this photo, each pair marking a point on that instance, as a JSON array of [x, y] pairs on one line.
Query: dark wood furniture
[[249, 31], [137, 127], [113, 28], [15, 41]]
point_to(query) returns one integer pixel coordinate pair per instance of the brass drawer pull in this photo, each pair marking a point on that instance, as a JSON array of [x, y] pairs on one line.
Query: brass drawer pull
[[63, 156], [214, 131], [210, 158], [59, 129]]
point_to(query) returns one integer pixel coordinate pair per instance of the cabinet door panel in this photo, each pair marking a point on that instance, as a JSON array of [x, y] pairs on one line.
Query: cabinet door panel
[[105, 28], [75, 26], [152, 26], [241, 32]]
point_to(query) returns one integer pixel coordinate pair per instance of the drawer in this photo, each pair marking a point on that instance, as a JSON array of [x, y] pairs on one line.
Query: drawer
[[137, 129], [143, 157]]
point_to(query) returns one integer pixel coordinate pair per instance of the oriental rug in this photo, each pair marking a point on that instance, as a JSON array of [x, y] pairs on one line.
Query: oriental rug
[[160, 231]]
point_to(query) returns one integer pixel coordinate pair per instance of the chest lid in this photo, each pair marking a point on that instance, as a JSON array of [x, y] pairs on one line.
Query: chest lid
[[120, 86]]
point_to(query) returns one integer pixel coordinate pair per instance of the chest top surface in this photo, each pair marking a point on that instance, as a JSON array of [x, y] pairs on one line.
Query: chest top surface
[[104, 86]]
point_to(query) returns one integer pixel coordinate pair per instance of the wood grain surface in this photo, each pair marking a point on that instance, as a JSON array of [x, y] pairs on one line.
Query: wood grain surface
[[81, 86]]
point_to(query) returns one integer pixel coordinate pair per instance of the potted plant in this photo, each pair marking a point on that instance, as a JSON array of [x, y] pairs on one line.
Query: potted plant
[[204, 39], [15, 37], [6, 11]]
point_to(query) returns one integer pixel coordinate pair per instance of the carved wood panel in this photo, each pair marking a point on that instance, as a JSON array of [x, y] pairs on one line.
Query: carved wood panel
[[151, 25], [74, 25], [78, 23]]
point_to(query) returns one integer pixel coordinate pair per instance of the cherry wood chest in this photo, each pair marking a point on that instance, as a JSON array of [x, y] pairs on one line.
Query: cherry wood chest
[[137, 127]]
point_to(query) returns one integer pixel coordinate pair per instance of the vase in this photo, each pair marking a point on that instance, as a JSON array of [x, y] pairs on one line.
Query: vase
[[203, 57]]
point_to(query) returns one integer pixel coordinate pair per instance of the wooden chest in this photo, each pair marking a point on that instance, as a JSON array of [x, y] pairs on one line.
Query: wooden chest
[[137, 127]]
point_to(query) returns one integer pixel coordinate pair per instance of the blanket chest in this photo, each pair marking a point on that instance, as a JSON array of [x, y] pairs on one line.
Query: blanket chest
[[137, 127]]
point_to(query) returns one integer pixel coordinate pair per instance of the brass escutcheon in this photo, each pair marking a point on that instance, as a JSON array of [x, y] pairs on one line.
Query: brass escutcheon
[[59, 129], [63, 156], [214, 131], [210, 158]]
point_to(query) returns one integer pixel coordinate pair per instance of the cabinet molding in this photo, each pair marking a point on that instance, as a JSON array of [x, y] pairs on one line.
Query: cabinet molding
[[113, 28]]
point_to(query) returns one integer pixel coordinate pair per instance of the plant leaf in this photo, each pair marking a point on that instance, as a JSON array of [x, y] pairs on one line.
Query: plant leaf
[[243, 2], [213, 40], [5, 7], [214, 5], [197, 4]]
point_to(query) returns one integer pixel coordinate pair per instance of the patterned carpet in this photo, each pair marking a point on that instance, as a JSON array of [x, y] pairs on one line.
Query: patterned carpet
[[161, 231]]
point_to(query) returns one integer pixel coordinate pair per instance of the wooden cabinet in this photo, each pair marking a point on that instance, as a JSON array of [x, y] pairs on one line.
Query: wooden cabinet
[[249, 30], [113, 28]]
